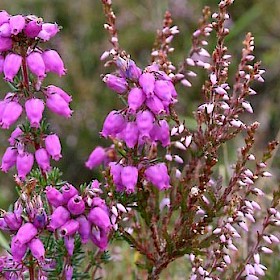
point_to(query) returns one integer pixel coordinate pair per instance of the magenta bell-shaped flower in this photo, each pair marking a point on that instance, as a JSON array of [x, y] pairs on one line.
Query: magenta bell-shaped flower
[[69, 228], [26, 233], [48, 31], [43, 159], [2, 60], [115, 170], [129, 176], [116, 83], [14, 135], [18, 249], [9, 159], [68, 191], [155, 105], [40, 219], [69, 242], [136, 98], [158, 176], [99, 238], [33, 28], [5, 30], [37, 249], [53, 146], [4, 17], [84, 228], [17, 23], [76, 205], [12, 221], [36, 64], [160, 132], [24, 164], [54, 89], [165, 90], [58, 218], [132, 71], [68, 272], [100, 218], [53, 62], [58, 105], [113, 124], [34, 108], [5, 44], [96, 158], [144, 121], [147, 82], [54, 196], [10, 114], [12, 65], [130, 134]]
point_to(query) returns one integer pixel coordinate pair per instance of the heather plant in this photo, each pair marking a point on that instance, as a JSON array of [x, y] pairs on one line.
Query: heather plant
[[161, 191]]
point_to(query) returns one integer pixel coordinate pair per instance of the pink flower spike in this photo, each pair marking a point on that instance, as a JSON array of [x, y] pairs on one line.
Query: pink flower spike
[[36, 64], [34, 108], [58, 105], [17, 23], [43, 159], [53, 62], [12, 65], [53, 146], [24, 164]]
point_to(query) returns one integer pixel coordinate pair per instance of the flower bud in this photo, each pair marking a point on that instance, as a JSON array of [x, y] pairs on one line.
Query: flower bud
[[69, 228], [10, 114], [76, 205], [54, 196], [53, 146], [12, 65], [24, 164], [68, 272], [158, 176], [9, 159], [100, 218], [147, 82], [12, 221], [5, 44], [113, 124], [68, 191], [33, 28], [54, 89], [58, 105], [26, 233], [99, 238], [48, 31], [36, 64], [17, 24], [34, 108], [84, 228], [144, 121], [53, 62], [129, 177], [69, 242], [37, 249], [43, 159], [40, 219], [115, 83], [133, 72], [136, 98], [58, 218], [18, 249], [96, 158]]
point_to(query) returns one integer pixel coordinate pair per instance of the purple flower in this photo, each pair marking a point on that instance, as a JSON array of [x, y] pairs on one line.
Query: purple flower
[[158, 176], [144, 121], [18, 249], [43, 159], [160, 132], [68, 191], [69, 242], [155, 105], [40, 218], [115, 170], [115, 83], [4, 17], [147, 82], [33, 28], [9, 159], [76, 205], [12, 65], [130, 134], [54, 89], [5, 30], [10, 114], [132, 71], [48, 31], [54, 196], [165, 90], [34, 108], [100, 218], [17, 24], [96, 157], [24, 164], [68, 272], [58, 218], [36, 64], [58, 105], [37, 249], [53, 62], [53, 146], [26, 233], [5, 44], [69, 228], [136, 98], [113, 124], [12, 221], [14, 135], [84, 228], [99, 238], [2, 60], [129, 177]]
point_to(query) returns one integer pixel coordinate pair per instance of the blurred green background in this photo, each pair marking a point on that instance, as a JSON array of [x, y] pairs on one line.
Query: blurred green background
[[82, 40]]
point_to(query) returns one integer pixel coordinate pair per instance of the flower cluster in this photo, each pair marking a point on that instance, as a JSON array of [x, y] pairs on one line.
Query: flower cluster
[[25, 65]]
